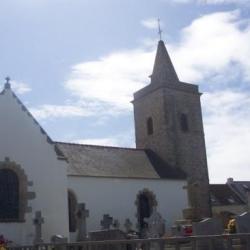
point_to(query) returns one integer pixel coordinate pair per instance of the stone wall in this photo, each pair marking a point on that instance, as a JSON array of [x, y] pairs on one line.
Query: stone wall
[[185, 150]]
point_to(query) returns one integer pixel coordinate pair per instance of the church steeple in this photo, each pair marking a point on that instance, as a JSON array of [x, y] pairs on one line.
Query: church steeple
[[163, 71], [168, 124]]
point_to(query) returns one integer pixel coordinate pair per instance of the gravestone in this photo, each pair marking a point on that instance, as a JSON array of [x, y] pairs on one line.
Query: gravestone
[[155, 229], [243, 223], [38, 221], [59, 242], [116, 224], [82, 214], [58, 239], [156, 225], [106, 222], [128, 225], [209, 226]]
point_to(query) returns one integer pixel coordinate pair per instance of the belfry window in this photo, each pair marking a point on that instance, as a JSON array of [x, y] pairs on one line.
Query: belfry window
[[184, 123], [9, 195], [150, 127]]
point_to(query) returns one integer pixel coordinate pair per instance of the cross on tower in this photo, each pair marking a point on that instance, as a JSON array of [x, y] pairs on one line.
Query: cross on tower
[[159, 27]]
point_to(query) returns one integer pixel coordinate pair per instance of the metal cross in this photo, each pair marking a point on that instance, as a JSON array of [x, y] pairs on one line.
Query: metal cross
[[159, 27]]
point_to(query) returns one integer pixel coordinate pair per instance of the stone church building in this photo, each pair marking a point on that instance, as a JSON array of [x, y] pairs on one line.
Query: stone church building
[[167, 170]]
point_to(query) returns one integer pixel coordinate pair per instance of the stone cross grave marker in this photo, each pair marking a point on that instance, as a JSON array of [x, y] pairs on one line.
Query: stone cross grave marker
[[82, 214], [156, 225], [38, 221], [106, 222], [128, 225], [116, 224]]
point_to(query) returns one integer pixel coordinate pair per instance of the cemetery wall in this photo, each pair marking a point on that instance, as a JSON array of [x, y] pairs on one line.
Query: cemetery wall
[[45, 176]]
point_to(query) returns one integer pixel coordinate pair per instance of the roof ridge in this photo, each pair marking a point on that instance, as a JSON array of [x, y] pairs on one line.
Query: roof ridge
[[99, 146]]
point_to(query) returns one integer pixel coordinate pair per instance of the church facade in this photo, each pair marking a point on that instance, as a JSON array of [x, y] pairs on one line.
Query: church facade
[[166, 171]]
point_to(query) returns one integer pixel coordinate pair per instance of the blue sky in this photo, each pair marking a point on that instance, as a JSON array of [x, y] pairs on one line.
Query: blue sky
[[75, 65]]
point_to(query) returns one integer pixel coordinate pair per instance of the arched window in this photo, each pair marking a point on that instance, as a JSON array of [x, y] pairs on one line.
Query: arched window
[[150, 127], [9, 195], [184, 123], [72, 206]]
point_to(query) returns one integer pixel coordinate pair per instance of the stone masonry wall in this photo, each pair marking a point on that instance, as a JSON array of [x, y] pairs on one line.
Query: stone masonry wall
[[185, 150]]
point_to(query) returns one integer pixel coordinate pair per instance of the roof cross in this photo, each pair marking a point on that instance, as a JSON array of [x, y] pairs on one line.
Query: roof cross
[[7, 83], [7, 80], [159, 27]]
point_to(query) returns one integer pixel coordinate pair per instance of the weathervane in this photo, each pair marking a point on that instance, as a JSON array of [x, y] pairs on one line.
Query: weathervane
[[159, 27]]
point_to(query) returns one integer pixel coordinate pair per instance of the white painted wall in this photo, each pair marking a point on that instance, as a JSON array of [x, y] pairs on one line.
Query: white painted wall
[[116, 197], [22, 141]]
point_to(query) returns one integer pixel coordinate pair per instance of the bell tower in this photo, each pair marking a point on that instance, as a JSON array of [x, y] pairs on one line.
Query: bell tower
[[168, 121]]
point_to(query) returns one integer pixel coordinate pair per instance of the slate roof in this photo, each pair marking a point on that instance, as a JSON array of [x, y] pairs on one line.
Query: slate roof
[[103, 161], [241, 188], [222, 194]]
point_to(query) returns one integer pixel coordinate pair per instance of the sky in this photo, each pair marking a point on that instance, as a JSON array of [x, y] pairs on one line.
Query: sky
[[75, 64]]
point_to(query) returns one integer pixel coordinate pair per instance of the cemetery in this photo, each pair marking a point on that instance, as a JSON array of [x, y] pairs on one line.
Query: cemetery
[[206, 235]]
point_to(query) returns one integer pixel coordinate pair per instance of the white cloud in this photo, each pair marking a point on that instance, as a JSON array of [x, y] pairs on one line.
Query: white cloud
[[211, 45], [120, 140], [150, 23], [99, 141], [59, 111], [112, 79], [19, 87], [227, 126]]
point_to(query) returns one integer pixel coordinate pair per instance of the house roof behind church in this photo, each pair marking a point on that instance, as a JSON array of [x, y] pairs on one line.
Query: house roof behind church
[[103, 161], [222, 194]]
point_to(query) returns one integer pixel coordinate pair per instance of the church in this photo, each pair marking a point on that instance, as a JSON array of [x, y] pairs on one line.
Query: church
[[166, 171]]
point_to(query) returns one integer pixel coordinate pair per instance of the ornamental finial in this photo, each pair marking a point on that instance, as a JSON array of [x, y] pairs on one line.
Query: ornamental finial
[[7, 83]]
